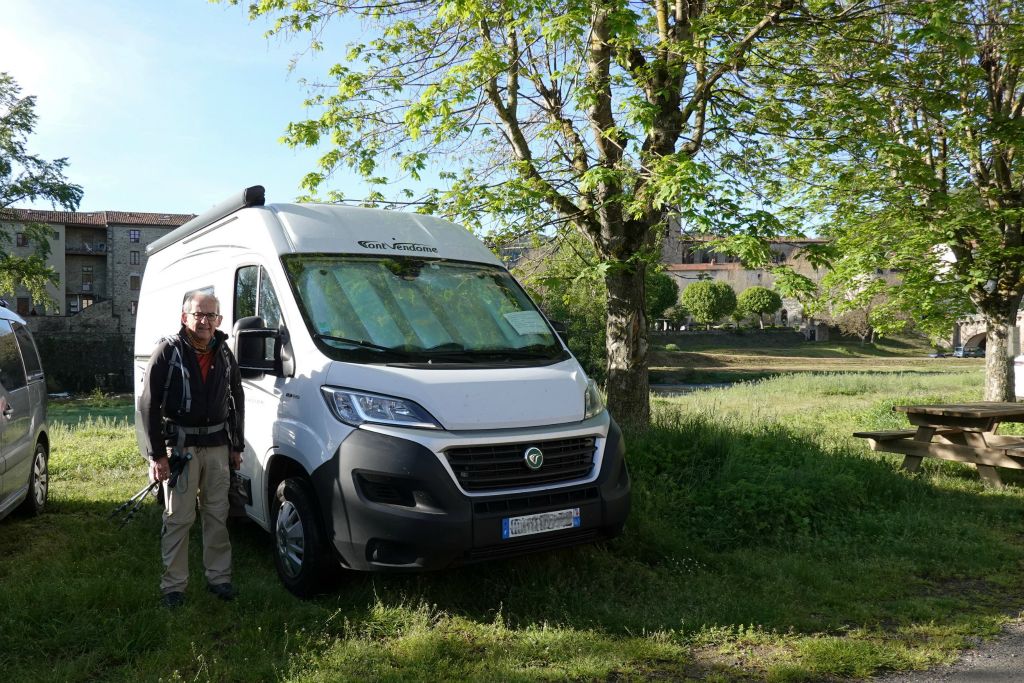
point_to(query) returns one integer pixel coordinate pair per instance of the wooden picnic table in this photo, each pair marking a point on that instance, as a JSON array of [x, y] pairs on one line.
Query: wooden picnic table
[[964, 432]]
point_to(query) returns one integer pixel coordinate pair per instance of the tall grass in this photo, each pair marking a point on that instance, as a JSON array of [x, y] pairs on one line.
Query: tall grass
[[764, 543]]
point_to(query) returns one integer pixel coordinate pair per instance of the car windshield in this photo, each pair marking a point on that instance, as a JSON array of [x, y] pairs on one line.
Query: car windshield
[[409, 310]]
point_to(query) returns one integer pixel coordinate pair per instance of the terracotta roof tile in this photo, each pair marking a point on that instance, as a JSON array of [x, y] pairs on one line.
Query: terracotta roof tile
[[103, 218]]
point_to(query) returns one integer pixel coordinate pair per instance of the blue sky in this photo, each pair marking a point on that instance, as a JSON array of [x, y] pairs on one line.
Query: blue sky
[[161, 105]]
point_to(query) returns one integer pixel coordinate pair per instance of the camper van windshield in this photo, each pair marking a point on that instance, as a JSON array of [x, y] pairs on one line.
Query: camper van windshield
[[410, 310]]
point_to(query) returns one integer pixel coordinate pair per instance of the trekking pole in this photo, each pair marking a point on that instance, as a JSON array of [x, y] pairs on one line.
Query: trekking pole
[[141, 494], [139, 498], [132, 505]]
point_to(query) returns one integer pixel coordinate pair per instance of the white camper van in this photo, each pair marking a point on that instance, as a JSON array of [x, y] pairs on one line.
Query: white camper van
[[407, 406]]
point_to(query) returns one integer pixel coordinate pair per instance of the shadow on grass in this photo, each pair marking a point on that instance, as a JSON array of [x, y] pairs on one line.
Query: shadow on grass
[[731, 525]]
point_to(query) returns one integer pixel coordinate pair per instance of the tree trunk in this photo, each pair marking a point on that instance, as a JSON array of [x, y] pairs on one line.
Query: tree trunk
[[627, 387], [998, 363], [760, 319]]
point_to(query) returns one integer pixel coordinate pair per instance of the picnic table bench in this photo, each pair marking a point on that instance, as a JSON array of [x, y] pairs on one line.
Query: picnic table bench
[[964, 432]]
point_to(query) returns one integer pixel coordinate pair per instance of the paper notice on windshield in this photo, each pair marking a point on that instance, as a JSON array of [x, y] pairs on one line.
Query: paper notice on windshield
[[527, 322]]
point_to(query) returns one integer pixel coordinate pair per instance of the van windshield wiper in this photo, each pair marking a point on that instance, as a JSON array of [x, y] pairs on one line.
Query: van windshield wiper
[[359, 343], [523, 353], [453, 352]]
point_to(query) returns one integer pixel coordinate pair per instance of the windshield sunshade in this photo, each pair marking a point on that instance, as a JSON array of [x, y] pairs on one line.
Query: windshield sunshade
[[417, 311]]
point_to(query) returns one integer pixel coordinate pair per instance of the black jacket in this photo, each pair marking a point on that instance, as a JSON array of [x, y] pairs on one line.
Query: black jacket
[[211, 401]]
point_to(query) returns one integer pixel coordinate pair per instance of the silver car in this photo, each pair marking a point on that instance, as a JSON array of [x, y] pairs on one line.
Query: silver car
[[24, 440]]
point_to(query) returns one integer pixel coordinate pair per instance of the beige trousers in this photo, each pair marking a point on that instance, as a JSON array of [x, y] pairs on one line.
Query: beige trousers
[[208, 475]]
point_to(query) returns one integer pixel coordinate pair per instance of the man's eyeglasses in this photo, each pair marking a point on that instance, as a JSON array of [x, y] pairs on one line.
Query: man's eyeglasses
[[209, 317]]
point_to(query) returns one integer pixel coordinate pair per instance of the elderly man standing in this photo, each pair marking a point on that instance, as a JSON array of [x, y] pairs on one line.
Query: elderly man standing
[[192, 406]]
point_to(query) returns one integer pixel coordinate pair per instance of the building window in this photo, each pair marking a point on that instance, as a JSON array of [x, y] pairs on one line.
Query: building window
[[24, 304], [21, 239], [135, 307], [86, 278], [134, 235], [56, 236], [73, 306], [87, 301], [133, 258], [134, 282]]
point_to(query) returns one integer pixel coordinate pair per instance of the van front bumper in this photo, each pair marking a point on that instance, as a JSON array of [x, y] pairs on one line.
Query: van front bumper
[[389, 504]]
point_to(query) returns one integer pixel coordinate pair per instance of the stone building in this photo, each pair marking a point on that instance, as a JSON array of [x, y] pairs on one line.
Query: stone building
[[99, 258], [690, 258]]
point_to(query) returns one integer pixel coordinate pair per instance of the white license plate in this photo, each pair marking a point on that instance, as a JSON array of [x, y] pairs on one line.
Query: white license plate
[[511, 527]]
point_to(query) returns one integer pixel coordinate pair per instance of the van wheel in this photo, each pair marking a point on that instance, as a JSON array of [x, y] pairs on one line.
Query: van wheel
[[38, 483], [300, 551]]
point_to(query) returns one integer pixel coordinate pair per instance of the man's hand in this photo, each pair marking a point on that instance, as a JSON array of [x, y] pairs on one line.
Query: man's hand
[[159, 469], [235, 459]]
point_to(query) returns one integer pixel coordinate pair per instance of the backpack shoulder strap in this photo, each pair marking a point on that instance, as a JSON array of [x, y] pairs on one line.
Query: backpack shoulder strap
[[177, 361]]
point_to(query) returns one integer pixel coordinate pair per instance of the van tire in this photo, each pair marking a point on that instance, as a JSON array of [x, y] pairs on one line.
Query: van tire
[[300, 552], [38, 483]]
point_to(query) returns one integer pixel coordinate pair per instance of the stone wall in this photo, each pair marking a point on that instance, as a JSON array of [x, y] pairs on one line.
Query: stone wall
[[84, 351]]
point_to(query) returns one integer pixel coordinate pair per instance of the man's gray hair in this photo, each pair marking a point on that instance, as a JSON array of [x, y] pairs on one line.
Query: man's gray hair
[[186, 305]]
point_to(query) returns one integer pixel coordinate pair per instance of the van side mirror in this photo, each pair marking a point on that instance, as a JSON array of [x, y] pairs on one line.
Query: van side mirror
[[255, 356], [284, 358], [250, 335]]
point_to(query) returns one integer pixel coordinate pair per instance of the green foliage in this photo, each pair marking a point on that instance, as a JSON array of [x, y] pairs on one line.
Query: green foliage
[[661, 293], [908, 155], [759, 301], [708, 301], [677, 314], [26, 177], [562, 279], [567, 280], [542, 116]]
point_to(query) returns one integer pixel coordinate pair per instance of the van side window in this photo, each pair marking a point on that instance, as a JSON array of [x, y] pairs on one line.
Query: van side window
[[33, 368], [12, 372], [246, 279], [255, 295], [269, 309]]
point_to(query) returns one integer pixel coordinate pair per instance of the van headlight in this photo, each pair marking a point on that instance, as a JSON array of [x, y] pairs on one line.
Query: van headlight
[[593, 404], [357, 407]]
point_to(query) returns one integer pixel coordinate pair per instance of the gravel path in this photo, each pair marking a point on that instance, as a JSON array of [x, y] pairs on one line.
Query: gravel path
[[1000, 660]]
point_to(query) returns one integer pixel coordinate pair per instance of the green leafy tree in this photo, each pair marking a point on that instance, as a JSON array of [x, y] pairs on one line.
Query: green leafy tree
[[565, 277], [708, 301], [906, 139], [596, 117], [759, 301], [661, 293], [25, 177], [569, 288]]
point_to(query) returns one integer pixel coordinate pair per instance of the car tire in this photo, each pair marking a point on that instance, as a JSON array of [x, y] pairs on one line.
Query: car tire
[[38, 483], [300, 549]]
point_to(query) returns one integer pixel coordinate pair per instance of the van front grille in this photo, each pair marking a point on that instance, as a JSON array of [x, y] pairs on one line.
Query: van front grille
[[489, 468]]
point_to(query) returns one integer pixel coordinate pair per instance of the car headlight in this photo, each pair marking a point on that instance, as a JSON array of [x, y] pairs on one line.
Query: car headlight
[[593, 404], [357, 407]]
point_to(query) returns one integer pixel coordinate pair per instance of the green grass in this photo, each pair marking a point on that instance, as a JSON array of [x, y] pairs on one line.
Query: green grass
[[74, 410], [755, 355], [765, 543]]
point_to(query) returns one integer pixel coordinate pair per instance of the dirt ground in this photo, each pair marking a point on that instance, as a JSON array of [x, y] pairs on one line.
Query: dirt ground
[[1000, 660]]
